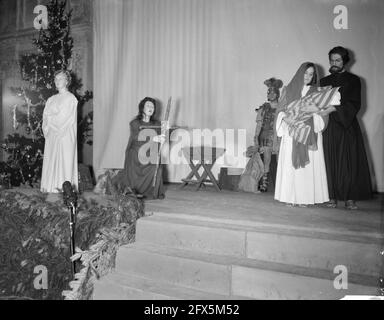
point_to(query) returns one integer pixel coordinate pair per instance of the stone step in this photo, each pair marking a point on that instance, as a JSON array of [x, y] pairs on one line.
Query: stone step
[[306, 247], [117, 286], [236, 276]]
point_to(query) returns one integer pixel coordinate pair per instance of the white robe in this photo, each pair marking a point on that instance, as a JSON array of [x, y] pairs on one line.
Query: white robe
[[60, 152], [306, 185]]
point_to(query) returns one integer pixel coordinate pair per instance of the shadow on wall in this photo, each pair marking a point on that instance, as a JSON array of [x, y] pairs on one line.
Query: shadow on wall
[[379, 141], [321, 70], [1, 117], [380, 137], [363, 109]]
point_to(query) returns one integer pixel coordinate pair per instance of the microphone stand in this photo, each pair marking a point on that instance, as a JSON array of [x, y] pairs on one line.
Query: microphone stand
[[72, 224], [70, 200]]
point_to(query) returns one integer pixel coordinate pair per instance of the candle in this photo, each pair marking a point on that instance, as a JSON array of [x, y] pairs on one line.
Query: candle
[[28, 112], [14, 117]]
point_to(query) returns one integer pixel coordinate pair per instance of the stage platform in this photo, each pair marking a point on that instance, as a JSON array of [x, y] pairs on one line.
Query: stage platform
[[262, 208], [232, 245]]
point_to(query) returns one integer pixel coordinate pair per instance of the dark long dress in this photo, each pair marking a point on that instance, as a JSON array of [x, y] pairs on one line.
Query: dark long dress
[[138, 175], [345, 158]]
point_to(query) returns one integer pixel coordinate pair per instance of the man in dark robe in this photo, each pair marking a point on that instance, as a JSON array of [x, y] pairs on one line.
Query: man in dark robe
[[345, 158]]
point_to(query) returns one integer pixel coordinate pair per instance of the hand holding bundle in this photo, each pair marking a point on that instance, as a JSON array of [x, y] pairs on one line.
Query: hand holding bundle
[[301, 110]]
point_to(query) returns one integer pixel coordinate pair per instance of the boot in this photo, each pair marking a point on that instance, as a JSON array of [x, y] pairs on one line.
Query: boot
[[264, 183]]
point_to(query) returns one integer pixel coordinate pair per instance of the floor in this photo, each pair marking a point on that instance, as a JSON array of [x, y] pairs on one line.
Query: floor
[[262, 208]]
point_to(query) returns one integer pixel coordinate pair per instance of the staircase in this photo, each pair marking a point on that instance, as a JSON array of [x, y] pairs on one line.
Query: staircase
[[179, 256]]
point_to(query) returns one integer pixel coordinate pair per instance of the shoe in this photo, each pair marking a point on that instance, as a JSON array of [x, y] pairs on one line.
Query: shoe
[[351, 205], [290, 205], [331, 203]]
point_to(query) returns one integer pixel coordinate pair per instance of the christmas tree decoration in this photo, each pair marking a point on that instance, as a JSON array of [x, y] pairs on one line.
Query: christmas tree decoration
[[381, 280], [53, 52]]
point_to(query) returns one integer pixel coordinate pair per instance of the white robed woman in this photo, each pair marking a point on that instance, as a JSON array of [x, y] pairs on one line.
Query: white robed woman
[[60, 132], [301, 175]]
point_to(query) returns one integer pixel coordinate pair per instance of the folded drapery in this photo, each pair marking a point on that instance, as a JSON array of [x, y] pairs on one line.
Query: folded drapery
[[301, 129]]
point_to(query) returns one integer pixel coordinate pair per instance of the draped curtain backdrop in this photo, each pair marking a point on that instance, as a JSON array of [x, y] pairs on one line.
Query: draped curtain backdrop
[[212, 57]]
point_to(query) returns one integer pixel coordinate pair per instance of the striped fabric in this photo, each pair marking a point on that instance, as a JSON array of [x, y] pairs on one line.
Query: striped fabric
[[299, 130]]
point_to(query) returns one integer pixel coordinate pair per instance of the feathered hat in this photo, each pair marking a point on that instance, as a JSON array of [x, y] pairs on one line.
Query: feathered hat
[[274, 84]]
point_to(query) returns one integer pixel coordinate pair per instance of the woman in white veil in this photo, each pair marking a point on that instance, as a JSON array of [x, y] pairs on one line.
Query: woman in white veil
[[301, 175]]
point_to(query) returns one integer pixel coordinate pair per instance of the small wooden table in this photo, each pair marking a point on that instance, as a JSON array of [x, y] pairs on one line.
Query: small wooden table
[[206, 157]]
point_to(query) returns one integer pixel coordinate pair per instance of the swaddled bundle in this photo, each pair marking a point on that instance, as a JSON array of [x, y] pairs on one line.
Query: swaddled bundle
[[301, 129]]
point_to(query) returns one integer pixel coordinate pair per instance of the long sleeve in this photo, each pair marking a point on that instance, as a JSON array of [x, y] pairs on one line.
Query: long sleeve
[[350, 102], [319, 122], [66, 116], [45, 124], [133, 132]]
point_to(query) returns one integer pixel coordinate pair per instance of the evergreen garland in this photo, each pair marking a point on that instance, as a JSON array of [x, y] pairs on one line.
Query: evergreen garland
[[35, 232]]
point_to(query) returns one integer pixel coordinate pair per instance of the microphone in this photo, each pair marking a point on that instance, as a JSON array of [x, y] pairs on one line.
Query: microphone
[[70, 200], [69, 196]]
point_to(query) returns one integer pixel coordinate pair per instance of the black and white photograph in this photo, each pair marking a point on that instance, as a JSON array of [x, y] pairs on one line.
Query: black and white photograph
[[191, 155]]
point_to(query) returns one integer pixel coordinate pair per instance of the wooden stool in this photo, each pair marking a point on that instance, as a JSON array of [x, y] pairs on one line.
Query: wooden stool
[[206, 158]]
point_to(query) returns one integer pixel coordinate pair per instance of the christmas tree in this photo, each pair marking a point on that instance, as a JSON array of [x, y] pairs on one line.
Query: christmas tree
[[24, 151]]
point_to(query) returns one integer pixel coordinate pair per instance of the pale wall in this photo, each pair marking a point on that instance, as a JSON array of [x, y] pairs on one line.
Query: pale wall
[[212, 56]]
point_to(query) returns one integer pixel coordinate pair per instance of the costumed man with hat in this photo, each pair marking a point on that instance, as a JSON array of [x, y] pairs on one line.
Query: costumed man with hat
[[261, 168]]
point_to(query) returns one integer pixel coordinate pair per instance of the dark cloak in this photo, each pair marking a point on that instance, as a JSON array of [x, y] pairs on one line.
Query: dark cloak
[[344, 153], [137, 175]]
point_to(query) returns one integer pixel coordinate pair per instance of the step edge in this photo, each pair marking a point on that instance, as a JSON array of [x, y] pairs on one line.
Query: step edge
[[192, 291], [269, 229], [359, 279], [143, 242], [248, 223]]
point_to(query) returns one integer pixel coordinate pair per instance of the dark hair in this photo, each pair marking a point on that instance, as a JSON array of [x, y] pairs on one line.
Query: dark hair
[[342, 52], [141, 108], [314, 78], [67, 75]]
